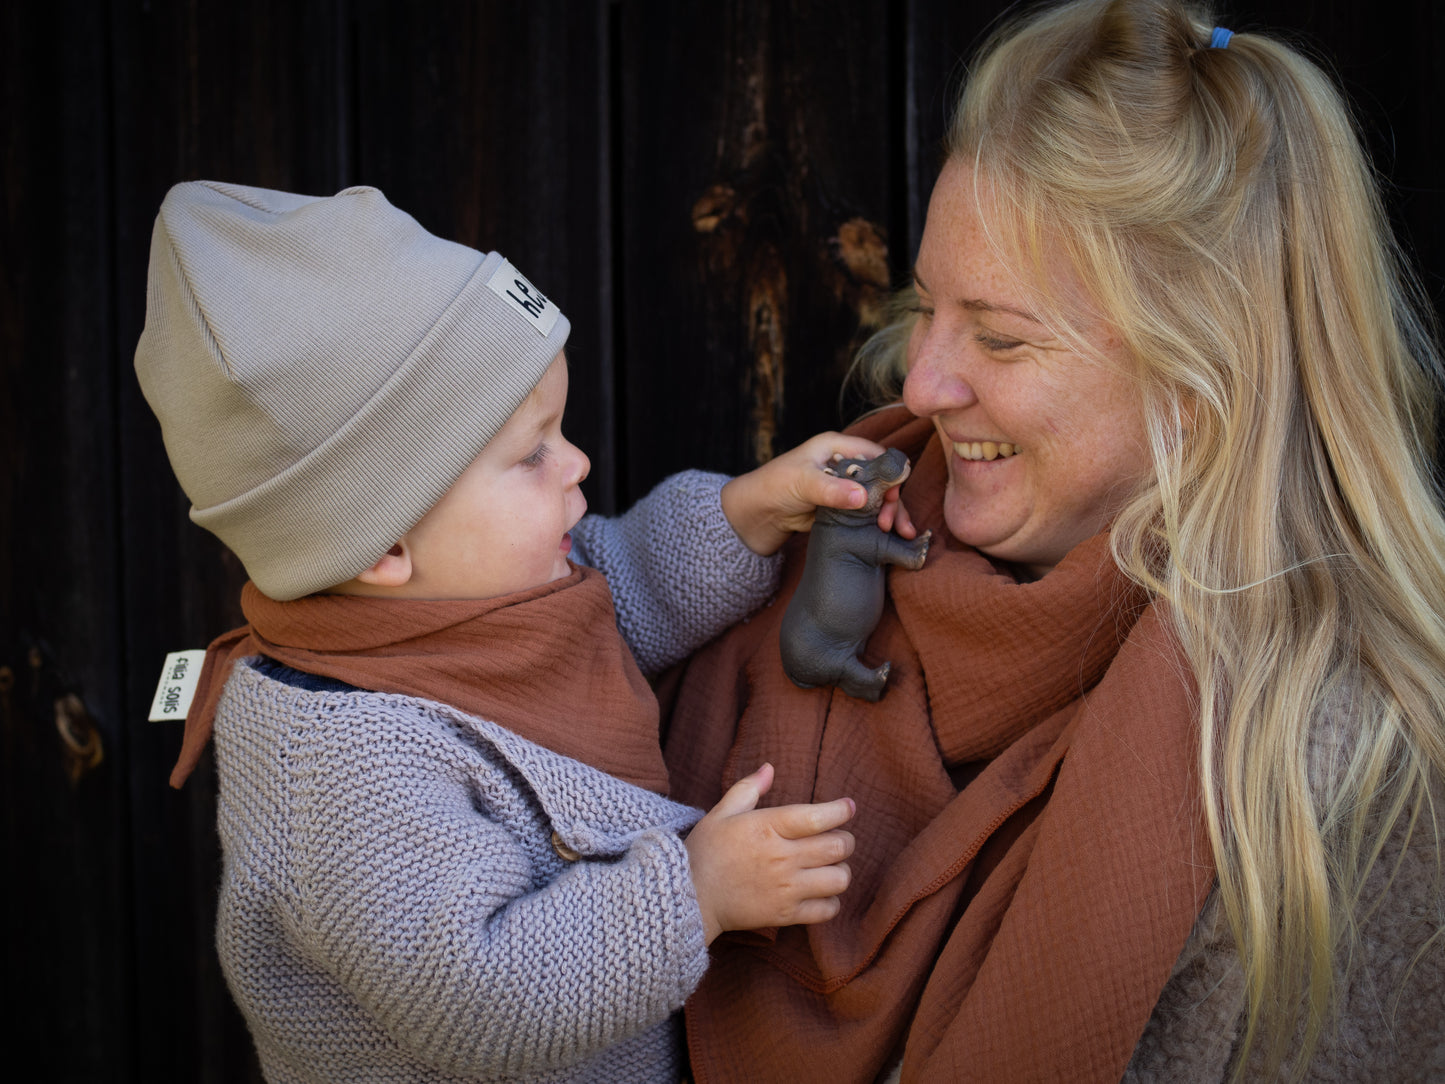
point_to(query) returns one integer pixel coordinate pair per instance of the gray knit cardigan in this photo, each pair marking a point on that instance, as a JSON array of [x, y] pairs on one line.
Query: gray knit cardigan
[[395, 905], [1388, 1023]]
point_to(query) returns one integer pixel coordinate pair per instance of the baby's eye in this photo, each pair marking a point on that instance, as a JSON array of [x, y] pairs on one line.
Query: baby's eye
[[537, 458]]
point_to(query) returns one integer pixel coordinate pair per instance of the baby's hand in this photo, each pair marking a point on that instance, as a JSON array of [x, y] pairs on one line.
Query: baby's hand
[[766, 505], [768, 867]]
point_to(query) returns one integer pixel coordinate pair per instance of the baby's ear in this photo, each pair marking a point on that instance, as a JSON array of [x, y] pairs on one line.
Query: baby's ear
[[393, 569]]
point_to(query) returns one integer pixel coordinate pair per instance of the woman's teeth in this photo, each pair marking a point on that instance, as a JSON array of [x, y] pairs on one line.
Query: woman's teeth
[[984, 449]]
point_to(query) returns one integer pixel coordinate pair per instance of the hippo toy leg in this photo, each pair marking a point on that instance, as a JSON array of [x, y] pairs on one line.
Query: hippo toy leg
[[893, 550], [861, 681], [843, 670]]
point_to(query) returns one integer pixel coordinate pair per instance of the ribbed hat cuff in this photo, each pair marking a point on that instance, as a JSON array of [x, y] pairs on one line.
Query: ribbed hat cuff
[[332, 514]]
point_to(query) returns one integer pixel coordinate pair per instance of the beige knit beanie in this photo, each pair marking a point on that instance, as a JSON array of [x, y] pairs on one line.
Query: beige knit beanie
[[324, 369]]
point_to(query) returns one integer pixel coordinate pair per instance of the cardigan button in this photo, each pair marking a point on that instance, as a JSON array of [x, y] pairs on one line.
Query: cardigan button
[[566, 853]]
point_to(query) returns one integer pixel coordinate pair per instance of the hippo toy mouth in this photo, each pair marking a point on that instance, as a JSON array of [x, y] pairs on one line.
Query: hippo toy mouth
[[877, 476], [890, 468]]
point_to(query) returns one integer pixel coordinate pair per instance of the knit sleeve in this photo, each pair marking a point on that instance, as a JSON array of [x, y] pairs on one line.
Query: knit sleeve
[[678, 571], [426, 883]]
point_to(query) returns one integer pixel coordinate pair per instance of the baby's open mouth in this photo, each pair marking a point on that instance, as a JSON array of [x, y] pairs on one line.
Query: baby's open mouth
[[985, 449]]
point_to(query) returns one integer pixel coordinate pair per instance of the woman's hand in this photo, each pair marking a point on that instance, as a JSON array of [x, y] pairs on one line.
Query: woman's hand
[[766, 505], [768, 867]]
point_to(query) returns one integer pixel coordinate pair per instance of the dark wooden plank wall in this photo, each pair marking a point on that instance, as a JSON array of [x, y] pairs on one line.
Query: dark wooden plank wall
[[718, 195]]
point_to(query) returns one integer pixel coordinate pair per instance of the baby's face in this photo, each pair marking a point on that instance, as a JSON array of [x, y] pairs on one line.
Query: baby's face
[[503, 526]]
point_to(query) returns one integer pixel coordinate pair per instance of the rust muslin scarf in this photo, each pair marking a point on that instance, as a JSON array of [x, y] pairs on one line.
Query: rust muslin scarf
[[1031, 852], [547, 663]]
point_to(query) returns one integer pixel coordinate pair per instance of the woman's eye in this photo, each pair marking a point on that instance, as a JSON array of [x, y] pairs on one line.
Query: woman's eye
[[537, 458], [998, 346], [920, 309]]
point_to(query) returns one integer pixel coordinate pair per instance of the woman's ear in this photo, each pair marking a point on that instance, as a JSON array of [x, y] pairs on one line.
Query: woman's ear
[[393, 569]]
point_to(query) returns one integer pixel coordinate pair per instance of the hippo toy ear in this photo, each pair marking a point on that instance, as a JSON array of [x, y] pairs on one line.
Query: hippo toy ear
[[830, 470], [855, 468]]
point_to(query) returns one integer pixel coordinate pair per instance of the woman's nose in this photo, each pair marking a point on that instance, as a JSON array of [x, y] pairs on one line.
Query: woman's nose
[[935, 381]]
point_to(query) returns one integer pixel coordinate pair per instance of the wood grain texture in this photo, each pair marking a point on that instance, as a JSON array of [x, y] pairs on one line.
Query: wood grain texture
[[754, 210], [246, 93], [65, 838]]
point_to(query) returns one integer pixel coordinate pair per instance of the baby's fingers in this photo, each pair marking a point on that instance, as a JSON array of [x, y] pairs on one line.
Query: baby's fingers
[[825, 881], [903, 522], [817, 886], [801, 821], [744, 794], [894, 516], [827, 491], [824, 448], [824, 849], [810, 912]]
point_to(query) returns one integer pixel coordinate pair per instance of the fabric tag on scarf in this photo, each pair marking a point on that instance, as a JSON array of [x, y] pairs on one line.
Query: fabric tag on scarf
[[177, 686], [508, 284]]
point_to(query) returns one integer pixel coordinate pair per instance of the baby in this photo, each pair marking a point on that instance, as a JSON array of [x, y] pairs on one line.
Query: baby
[[448, 853]]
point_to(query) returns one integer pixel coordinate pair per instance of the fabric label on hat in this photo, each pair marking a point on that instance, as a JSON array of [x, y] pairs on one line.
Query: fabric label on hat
[[508, 284], [177, 686]]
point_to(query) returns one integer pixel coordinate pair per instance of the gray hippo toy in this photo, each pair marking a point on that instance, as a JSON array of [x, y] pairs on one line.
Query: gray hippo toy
[[840, 598]]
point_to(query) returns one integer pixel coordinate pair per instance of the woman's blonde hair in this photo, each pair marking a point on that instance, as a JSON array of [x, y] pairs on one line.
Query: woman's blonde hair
[[1219, 207]]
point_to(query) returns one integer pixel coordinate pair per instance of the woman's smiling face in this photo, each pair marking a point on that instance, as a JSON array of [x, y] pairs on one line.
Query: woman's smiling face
[[1044, 444]]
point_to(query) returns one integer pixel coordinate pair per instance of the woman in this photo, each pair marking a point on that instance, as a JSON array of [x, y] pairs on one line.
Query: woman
[[1150, 792]]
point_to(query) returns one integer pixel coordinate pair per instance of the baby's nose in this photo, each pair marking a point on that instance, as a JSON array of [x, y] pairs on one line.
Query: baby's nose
[[583, 467]]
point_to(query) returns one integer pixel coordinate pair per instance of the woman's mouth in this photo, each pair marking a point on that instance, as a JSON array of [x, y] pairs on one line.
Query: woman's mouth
[[984, 449]]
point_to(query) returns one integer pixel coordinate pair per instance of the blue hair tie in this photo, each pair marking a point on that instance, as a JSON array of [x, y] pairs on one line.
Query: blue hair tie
[[1220, 38]]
